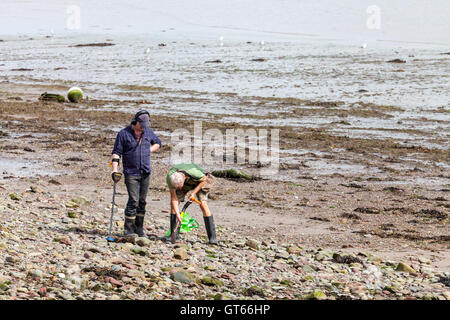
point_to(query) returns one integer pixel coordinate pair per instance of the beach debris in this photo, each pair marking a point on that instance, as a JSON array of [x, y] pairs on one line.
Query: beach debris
[[74, 94], [52, 97], [397, 61], [232, 174], [259, 59], [214, 61]]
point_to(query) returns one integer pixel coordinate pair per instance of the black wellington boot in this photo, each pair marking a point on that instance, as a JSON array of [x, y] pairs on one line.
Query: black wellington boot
[[173, 223], [139, 224], [210, 229], [129, 227]]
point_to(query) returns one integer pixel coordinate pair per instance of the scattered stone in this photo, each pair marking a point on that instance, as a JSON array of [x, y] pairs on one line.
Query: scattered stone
[[209, 281], [181, 254], [72, 214], [405, 268], [184, 277], [316, 295], [15, 197], [114, 281], [143, 241], [252, 243], [253, 291]]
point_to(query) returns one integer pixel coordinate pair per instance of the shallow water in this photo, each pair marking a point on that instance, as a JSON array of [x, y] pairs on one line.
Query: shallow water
[[25, 168]]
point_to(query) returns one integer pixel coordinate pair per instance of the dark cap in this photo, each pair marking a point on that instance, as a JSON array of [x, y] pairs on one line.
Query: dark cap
[[144, 120]]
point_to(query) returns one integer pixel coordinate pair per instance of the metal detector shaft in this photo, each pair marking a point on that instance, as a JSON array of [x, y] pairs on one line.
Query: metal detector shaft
[[112, 209]]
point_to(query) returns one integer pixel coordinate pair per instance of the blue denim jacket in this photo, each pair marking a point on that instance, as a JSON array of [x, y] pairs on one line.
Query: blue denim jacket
[[135, 157]]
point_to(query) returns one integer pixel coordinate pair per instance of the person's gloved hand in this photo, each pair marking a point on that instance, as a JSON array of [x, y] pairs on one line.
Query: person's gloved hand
[[116, 176]]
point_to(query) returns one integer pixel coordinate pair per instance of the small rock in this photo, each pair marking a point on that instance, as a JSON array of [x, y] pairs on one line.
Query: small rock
[[139, 250], [282, 255], [253, 291], [252, 243], [209, 281], [316, 295], [72, 214], [405, 268], [15, 197], [184, 277], [114, 281], [143, 241], [181, 254], [34, 273], [66, 241]]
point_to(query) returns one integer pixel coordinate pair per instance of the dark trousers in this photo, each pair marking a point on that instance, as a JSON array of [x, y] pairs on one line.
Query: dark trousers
[[137, 187]]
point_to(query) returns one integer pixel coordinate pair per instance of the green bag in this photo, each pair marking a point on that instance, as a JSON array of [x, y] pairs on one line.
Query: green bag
[[187, 224]]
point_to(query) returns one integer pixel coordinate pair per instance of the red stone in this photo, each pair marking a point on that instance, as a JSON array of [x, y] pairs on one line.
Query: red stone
[[66, 241], [114, 281]]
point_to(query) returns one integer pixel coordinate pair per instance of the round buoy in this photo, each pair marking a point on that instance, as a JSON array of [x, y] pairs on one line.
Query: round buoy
[[74, 94]]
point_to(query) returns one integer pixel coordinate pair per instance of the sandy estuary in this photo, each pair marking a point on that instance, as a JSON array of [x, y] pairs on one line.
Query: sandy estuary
[[358, 208]]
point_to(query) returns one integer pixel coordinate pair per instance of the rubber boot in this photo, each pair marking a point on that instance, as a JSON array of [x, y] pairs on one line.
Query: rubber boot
[[129, 227], [173, 223], [210, 229], [139, 224]]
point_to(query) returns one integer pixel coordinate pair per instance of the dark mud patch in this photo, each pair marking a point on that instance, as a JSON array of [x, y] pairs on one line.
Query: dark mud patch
[[393, 190], [353, 185], [100, 44], [396, 61], [432, 213], [406, 236], [351, 216], [259, 60], [322, 219], [214, 61], [22, 69], [75, 159], [368, 210], [399, 210]]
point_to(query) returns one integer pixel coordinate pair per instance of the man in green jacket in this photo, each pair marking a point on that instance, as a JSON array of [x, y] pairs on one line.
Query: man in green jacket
[[183, 178]]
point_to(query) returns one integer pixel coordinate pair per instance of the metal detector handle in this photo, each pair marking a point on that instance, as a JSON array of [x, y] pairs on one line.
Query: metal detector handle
[[116, 177], [193, 199]]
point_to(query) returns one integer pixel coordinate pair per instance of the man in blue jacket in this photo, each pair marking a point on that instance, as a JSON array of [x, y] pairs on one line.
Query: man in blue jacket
[[134, 144]]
